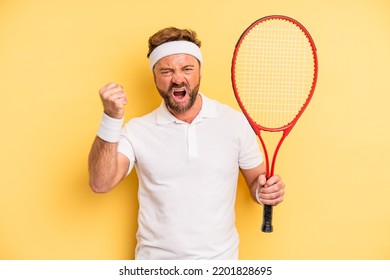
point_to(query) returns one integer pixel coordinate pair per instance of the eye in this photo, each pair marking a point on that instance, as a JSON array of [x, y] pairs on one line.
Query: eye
[[165, 72], [188, 69]]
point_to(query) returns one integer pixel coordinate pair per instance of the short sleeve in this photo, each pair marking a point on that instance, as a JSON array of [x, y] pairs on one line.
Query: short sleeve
[[250, 155], [125, 148]]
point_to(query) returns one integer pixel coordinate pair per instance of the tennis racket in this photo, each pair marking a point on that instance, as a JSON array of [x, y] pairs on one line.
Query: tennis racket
[[274, 74]]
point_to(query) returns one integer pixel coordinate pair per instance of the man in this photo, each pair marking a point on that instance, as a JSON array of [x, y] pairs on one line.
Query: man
[[187, 154]]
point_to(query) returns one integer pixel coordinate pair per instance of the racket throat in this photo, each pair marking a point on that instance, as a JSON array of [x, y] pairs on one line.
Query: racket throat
[[270, 167]]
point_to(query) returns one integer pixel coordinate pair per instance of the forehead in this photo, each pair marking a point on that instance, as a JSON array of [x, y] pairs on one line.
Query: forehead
[[177, 60]]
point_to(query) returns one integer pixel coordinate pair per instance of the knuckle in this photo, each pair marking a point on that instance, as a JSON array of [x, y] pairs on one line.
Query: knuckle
[[111, 98]]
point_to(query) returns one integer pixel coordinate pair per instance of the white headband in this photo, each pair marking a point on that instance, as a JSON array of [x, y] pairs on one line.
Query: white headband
[[174, 47]]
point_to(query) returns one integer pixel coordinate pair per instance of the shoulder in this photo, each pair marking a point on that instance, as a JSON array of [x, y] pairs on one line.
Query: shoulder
[[228, 116], [142, 121], [223, 109]]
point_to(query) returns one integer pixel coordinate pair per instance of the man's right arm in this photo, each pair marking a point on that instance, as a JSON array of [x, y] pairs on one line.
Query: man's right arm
[[107, 167]]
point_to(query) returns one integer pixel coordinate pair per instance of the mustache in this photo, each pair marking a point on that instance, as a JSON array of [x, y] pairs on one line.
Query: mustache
[[177, 86]]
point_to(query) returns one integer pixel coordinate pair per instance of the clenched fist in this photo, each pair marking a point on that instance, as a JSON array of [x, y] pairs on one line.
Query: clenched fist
[[114, 100]]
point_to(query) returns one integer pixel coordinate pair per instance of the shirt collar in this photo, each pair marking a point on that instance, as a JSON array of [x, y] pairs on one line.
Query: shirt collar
[[208, 110]]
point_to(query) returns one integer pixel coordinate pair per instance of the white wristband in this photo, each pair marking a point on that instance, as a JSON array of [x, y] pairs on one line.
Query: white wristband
[[257, 195], [110, 129]]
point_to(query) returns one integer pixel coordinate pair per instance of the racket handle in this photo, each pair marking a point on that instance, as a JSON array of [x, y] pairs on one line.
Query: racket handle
[[267, 219]]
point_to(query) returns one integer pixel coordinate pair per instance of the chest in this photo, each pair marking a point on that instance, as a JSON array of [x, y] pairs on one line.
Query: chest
[[207, 147]]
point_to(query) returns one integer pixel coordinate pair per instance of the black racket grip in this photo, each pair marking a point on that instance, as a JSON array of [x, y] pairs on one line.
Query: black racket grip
[[267, 219]]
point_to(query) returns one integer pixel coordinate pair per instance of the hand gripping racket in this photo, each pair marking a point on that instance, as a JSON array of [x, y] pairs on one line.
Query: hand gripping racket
[[274, 74]]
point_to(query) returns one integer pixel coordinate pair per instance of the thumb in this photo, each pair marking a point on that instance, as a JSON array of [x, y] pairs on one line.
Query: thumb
[[262, 180]]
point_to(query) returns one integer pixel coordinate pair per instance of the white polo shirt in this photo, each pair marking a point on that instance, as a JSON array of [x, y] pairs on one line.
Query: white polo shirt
[[187, 180]]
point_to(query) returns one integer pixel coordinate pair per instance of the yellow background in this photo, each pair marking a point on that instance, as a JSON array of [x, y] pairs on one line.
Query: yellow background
[[55, 56]]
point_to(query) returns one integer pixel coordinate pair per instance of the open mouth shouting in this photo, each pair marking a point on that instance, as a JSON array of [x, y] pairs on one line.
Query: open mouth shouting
[[179, 98], [179, 94]]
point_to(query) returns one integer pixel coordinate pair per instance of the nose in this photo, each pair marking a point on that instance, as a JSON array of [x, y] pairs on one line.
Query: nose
[[177, 77]]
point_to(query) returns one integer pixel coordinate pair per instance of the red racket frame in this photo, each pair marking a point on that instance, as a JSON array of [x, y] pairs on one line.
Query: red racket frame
[[286, 128]]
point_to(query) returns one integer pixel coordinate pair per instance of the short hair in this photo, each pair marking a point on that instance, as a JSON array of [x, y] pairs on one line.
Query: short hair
[[172, 34]]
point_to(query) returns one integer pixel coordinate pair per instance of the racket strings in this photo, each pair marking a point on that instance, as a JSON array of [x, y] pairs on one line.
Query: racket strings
[[274, 72]]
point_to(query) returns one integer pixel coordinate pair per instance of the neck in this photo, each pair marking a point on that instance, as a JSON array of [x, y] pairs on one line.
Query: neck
[[191, 114]]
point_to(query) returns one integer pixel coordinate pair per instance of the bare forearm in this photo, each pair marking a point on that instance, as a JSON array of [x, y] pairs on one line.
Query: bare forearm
[[252, 189], [103, 166], [251, 177]]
